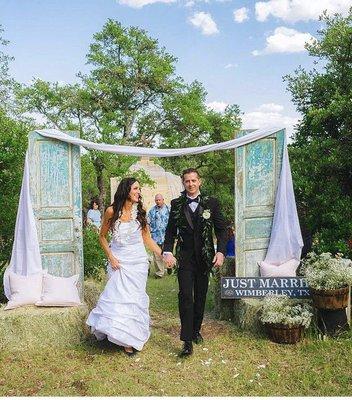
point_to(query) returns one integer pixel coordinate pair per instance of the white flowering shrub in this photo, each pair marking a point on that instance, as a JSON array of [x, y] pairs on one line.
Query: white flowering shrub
[[324, 271], [280, 309]]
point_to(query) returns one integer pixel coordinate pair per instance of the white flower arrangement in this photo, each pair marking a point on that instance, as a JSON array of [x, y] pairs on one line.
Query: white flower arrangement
[[280, 309], [206, 214], [324, 271]]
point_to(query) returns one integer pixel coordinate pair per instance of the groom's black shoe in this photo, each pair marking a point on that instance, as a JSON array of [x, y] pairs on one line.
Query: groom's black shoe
[[198, 338], [187, 349]]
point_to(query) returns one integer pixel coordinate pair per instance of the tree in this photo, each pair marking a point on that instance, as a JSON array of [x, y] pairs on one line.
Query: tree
[[187, 123], [6, 82], [321, 154], [130, 74]]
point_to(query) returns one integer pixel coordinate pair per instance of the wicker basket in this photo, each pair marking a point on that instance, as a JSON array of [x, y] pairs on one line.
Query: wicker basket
[[330, 299], [285, 334]]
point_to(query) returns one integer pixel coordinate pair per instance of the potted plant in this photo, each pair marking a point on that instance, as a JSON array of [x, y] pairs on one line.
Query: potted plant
[[285, 318], [329, 278]]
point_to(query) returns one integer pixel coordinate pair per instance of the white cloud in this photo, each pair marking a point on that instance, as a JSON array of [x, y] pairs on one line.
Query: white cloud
[[227, 66], [285, 40], [271, 107], [240, 15], [142, 3], [218, 106], [299, 10], [205, 22], [269, 116]]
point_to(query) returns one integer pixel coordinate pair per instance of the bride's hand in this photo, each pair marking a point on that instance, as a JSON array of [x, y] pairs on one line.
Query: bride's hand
[[114, 262]]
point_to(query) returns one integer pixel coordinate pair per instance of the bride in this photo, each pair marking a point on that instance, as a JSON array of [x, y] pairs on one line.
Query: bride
[[122, 311]]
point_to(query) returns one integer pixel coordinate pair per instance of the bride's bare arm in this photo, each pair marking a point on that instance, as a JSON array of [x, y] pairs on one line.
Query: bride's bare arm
[[149, 242], [102, 238]]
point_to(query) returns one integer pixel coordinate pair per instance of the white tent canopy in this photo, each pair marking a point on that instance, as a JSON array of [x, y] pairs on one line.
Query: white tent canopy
[[285, 241]]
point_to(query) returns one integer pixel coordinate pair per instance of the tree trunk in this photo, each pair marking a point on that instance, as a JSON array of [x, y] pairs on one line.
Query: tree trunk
[[129, 120], [99, 168]]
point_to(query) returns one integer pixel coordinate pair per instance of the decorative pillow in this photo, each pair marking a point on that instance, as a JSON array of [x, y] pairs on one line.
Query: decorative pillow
[[59, 291], [24, 289], [286, 269]]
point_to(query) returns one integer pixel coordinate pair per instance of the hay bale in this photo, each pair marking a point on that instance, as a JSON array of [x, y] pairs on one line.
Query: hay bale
[[246, 314], [92, 291], [37, 327]]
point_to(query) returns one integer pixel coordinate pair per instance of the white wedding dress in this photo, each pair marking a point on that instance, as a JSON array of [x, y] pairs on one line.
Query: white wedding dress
[[122, 311]]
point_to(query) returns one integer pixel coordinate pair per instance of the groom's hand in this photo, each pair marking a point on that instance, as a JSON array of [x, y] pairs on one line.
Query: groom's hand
[[218, 260], [169, 260]]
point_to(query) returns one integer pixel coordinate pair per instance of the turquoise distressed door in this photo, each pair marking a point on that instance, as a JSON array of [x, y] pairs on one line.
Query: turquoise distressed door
[[258, 167], [55, 187]]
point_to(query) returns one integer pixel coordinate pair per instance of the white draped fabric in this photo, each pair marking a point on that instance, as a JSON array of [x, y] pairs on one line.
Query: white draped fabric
[[285, 242], [25, 259], [147, 151]]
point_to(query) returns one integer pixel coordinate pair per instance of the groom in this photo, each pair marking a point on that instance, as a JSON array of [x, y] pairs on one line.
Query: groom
[[192, 220]]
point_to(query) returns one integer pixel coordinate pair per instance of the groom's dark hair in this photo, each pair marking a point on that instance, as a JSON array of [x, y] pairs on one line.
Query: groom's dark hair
[[189, 171]]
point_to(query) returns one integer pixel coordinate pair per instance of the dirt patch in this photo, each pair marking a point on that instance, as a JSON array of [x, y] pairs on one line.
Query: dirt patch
[[210, 328]]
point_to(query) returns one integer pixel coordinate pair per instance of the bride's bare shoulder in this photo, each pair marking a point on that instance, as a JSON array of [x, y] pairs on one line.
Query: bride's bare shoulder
[[109, 212]]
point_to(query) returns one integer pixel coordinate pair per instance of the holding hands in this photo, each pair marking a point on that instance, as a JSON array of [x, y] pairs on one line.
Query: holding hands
[[169, 260], [218, 260]]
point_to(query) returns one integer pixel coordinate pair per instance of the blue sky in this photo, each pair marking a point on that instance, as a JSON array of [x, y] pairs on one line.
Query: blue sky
[[238, 49]]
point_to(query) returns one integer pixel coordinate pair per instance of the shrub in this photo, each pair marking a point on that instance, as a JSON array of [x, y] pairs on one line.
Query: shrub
[[94, 257]]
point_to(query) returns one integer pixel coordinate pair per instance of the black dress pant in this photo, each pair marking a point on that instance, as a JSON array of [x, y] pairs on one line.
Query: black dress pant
[[193, 287]]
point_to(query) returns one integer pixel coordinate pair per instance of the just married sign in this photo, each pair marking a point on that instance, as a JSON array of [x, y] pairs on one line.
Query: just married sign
[[237, 288]]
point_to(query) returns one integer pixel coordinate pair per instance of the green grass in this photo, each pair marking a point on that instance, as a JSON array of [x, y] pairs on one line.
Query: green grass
[[229, 363]]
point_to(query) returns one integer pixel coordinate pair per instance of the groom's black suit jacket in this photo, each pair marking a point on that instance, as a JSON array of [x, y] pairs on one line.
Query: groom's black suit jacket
[[190, 234]]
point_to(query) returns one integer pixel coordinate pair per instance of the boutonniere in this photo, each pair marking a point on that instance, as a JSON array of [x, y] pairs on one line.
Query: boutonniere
[[206, 214]]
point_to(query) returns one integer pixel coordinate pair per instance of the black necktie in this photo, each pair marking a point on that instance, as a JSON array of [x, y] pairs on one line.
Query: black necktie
[[189, 201]]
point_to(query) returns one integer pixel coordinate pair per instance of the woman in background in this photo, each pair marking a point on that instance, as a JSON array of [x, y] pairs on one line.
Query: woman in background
[[94, 215]]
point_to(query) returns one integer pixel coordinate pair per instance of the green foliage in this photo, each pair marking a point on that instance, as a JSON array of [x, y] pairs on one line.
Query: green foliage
[[132, 96], [6, 82], [321, 154], [195, 125], [13, 145], [93, 254], [3, 298], [129, 76]]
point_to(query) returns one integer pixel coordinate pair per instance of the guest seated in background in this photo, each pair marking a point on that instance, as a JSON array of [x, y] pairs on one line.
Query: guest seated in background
[[94, 215]]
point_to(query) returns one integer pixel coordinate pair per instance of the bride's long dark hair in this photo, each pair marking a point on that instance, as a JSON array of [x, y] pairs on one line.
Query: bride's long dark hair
[[121, 196]]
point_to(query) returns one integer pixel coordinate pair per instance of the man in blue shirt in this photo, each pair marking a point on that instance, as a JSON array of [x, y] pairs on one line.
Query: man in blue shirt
[[158, 217]]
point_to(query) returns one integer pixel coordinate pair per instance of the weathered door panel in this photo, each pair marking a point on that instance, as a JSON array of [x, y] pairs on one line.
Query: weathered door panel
[[258, 167], [55, 187]]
